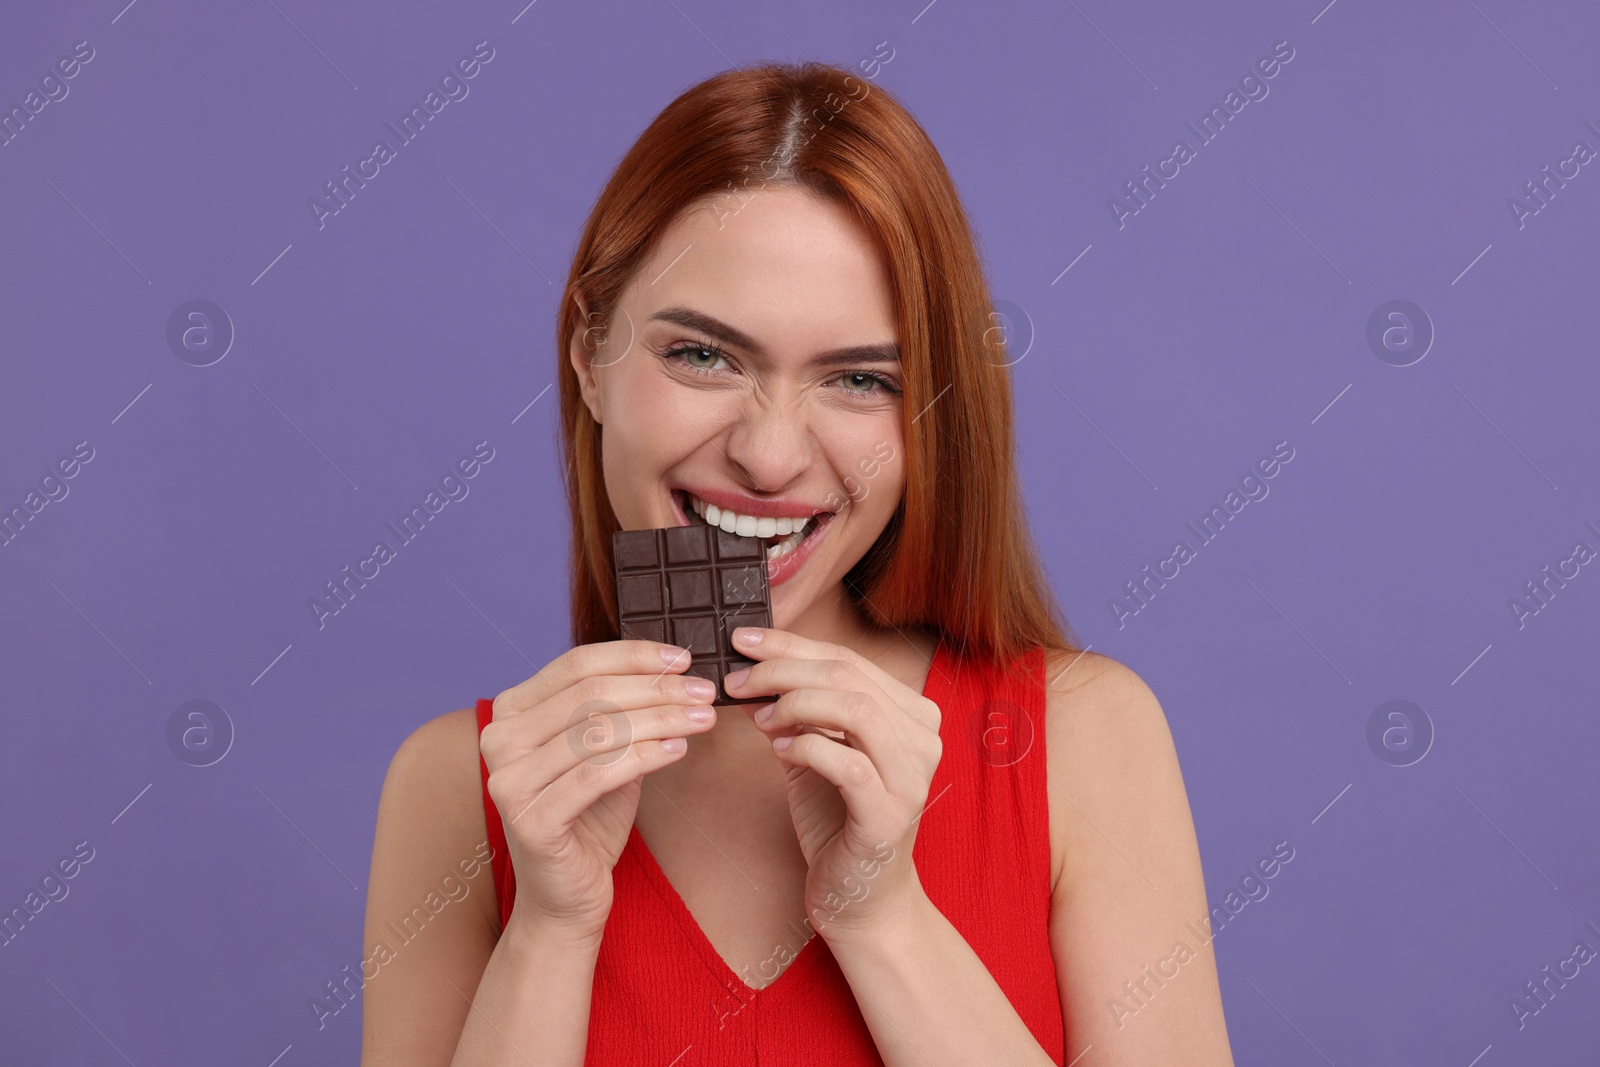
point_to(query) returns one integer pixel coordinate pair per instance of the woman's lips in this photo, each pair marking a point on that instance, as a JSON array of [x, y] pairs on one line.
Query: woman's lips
[[782, 569], [680, 506], [778, 570]]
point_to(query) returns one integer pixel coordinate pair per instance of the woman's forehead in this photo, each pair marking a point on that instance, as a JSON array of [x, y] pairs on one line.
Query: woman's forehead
[[786, 265]]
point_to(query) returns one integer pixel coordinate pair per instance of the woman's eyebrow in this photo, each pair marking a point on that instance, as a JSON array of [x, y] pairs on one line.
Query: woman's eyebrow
[[722, 332]]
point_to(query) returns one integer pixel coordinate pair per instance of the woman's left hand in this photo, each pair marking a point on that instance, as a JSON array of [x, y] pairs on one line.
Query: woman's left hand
[[856, 799]]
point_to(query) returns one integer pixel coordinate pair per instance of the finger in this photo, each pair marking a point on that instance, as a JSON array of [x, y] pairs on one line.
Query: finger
[[782, 644], [600, 741], [581, 661], [864, 724], [847, 768], [604, 737], [508, 738], [523, 793], [784, 675]]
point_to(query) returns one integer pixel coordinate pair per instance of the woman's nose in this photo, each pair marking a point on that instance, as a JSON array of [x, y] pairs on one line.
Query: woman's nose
[[772, 444]]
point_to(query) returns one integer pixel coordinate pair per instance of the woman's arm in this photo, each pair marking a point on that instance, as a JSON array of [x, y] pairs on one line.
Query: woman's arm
[[927, 997], [1118, 815], [447, 987], [1129, 926]]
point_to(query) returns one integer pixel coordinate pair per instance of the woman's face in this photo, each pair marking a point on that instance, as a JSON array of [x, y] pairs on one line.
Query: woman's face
[[751, 364]]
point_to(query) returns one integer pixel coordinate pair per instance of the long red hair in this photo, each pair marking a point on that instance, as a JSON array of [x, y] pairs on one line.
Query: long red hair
[[957, 556]]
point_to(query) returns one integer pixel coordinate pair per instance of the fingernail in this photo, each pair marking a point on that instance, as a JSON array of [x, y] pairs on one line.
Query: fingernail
[[746, 636], [781, 743], [700, 687], [672, 656], [736, 679], [764, 713], [674, 744], [703, 714]]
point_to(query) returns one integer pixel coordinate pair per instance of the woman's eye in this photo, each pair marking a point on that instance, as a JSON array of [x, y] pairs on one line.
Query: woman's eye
[[696, 357], [868, 379], [707, 359]]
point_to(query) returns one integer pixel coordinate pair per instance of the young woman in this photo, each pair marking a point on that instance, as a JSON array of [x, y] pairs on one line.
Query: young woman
[[952, 837]]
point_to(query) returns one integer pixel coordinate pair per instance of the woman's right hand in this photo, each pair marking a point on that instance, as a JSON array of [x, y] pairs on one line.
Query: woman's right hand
[[567, 751]]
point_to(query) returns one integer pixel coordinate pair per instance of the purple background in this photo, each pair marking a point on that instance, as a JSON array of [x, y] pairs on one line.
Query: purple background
[[1226, 316]]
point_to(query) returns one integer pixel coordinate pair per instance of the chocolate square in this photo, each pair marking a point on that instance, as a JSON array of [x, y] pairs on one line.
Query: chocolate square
[[688, 589], [692, 586]]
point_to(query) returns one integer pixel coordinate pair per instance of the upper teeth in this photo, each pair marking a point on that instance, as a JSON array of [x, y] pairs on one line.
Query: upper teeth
[[747, 525]]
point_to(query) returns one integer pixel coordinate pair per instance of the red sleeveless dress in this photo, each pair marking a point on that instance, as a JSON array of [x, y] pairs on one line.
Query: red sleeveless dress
[[662, 995]]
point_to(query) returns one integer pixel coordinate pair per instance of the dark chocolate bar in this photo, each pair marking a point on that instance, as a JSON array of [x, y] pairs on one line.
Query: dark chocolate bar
[[692, 586]]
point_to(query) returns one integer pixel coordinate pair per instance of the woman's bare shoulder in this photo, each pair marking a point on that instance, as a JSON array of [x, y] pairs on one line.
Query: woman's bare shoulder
[[431, 911], [435, 785], [1094, 698], [430, 814], [452, 732], [1127, 879], [1110, 757]]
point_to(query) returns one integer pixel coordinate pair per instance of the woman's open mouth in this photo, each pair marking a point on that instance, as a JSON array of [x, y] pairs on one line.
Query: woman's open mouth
[[797, 537]]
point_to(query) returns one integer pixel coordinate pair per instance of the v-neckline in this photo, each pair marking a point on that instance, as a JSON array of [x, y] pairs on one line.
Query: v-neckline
[[690, 926]]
